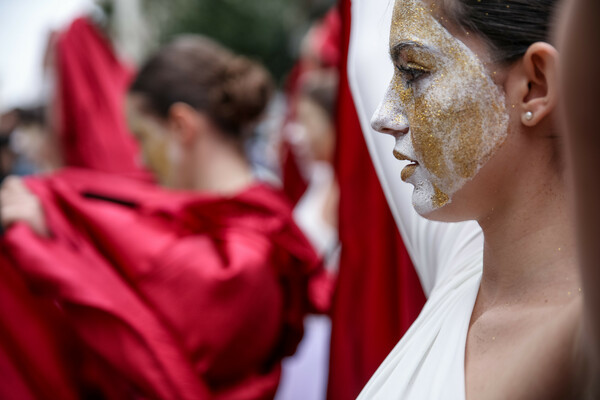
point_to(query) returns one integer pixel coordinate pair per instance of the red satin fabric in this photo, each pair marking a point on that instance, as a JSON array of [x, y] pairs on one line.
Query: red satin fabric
[[378, 294], [91, 88], [146, 293]]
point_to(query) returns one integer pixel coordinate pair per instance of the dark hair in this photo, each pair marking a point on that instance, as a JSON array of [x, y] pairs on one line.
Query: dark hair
[[233, 90], [509, 26]]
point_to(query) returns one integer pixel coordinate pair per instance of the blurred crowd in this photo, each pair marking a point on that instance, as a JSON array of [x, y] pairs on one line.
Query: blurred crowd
[[135, 129]]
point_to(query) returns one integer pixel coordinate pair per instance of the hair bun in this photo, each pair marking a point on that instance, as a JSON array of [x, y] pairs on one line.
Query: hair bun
[[196, 70], [243, 95]]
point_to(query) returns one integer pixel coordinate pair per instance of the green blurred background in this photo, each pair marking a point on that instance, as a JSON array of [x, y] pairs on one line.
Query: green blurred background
[[267, 30]]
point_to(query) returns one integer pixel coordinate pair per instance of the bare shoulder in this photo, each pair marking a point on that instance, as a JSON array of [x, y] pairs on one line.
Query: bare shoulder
[[540, 343]]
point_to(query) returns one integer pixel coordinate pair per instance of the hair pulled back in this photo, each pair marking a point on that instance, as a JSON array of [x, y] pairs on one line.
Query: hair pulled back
[[509, 26], [233, 90]]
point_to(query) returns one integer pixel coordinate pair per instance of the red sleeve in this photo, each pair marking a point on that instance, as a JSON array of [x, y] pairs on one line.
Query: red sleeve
[[31, 364], [182, 303], [91, 87], [104, 310]]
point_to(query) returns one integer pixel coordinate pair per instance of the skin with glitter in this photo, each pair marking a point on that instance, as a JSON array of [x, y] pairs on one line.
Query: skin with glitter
[[442, 106]]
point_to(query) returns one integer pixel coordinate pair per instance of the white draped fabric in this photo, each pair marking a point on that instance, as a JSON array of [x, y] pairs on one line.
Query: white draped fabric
[[428, 363]]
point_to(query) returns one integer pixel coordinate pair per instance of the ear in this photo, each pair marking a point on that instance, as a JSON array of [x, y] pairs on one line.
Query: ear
[[186, 124], [537, 84]]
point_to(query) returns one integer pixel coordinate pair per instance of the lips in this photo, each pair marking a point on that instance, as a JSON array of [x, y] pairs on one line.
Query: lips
[[409, 170], [402, 157]]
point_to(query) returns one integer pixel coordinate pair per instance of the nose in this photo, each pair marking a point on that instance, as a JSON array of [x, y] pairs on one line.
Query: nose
[[388, 119]]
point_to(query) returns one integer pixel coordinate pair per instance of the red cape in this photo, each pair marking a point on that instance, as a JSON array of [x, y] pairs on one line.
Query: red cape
[[90, 98], [146, 293], [378, 294]]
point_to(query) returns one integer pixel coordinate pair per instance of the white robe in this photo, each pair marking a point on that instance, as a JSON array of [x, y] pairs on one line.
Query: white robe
[[428, 363]]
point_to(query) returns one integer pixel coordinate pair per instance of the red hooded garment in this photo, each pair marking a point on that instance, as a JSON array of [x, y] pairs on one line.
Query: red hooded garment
[[143, 293], [378, 294], [91, 87]]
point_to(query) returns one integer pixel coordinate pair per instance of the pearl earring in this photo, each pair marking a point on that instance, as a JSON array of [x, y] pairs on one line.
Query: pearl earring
[[528, 116]]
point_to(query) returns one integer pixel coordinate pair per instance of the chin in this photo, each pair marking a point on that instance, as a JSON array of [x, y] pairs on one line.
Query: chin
[[424, 198], [433, 214], [442, 214], [433, 204], [453, 211], [449, 212]]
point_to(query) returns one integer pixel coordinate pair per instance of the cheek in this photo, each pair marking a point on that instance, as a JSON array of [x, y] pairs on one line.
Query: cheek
[[456, 126], [482, 125], [432, 130], [429, 135], [465, 153]]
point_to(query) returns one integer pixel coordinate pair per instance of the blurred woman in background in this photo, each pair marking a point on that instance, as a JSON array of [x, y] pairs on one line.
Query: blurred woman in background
[[194, 292]]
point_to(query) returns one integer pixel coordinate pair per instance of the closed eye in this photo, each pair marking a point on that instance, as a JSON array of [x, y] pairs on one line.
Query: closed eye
[[411, 74]]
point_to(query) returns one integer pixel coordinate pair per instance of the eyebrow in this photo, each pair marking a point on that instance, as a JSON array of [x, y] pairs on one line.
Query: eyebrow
[[398, 48]]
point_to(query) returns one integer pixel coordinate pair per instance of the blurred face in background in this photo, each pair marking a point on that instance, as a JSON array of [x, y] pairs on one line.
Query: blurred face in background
[[153, 136], [318, 129]]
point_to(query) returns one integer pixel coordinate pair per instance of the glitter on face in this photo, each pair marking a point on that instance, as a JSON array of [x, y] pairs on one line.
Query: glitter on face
[[447, 113], [439, 198]]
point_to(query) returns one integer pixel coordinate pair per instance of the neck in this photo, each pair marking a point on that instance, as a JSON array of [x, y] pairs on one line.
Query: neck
[[218, 167], [529, 253]]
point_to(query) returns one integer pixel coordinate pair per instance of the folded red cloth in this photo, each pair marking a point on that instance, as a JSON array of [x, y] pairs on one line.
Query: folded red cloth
[[90, 103], [148, 293]]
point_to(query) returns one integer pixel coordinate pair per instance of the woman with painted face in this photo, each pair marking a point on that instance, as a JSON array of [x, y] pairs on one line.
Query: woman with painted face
[[472, 107], [129, 290]]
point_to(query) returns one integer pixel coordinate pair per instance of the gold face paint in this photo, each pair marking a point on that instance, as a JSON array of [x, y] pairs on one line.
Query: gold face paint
[[439, 198], [448, 115], [408, 171]]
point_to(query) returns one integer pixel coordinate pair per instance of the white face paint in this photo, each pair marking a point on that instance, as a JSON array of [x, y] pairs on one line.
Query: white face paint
[[442, 106]]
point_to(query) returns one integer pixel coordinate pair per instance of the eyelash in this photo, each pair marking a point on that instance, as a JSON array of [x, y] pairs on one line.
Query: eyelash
[[413, 74]]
